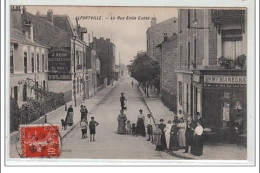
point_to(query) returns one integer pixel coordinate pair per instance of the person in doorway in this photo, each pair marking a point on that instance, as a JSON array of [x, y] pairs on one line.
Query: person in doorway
[[197, 146], [163, 140], [69, 117], [140, 123], [167, 131], [92, 128], [174, 144], [121, 122], [150, 121], [181, 133]]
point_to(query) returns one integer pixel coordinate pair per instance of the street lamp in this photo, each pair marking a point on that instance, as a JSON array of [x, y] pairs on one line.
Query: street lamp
[[74, 73]]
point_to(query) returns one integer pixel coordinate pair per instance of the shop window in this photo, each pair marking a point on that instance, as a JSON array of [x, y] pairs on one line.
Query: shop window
[[25, 62], [11, 61]]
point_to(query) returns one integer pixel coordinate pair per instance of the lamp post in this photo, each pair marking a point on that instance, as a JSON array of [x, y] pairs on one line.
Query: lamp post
[[74, 73]]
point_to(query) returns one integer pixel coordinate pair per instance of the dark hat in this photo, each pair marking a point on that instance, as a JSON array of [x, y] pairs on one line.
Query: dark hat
[[161, 120], [140, 110], [122, 93], [92, 117]]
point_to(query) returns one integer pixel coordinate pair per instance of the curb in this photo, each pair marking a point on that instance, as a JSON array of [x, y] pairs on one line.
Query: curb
[[92, 109], [168, 152]]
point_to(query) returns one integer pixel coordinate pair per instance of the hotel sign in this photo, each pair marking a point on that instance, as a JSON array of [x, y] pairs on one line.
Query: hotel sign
[[224, 79]]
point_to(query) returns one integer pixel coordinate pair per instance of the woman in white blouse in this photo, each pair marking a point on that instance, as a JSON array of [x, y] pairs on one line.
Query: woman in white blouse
[[197, 147]]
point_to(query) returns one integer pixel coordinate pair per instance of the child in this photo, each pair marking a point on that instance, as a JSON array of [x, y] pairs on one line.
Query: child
[[84, 128], [92, 128], [134, 129], [128, 127]]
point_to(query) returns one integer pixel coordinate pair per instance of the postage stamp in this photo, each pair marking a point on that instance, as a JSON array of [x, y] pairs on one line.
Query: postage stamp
[[40, 141]]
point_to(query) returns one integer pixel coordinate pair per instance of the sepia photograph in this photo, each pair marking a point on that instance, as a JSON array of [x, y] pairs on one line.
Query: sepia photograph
[[129, 83]]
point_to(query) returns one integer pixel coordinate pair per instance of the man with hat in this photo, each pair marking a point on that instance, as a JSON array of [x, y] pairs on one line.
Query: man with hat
[[150, 120]]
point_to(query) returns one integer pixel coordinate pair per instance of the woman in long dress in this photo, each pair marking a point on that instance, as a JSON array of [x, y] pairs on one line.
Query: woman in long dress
[[157, 137], [181, 133], [140, 128], [174, 144], [163, 140], [167, 131], [197, 146], [69, 117], [121, 123]]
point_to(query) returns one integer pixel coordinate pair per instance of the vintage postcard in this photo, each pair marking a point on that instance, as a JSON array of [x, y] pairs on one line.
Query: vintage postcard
[[129, 83]]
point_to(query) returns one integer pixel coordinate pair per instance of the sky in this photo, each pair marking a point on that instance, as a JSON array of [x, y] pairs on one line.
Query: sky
[[129, 36]]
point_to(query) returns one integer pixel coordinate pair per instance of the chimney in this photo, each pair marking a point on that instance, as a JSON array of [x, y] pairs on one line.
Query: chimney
[[108, 39], [165, 37], [153, 21], [29, 30], [15, 18], [50, 16]]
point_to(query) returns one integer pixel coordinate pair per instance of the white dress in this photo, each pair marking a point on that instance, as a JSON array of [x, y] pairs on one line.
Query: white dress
[[167, 131]]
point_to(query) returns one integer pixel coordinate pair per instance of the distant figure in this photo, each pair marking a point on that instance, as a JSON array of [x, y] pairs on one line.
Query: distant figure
[[121, 122], [92, 128], [132, 83], [122, 101], [69, 117]]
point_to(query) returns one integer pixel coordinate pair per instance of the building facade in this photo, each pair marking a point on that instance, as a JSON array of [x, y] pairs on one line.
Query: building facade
[[203, 85], [28, 61], [106, 52], [169, 63], [65, 56]]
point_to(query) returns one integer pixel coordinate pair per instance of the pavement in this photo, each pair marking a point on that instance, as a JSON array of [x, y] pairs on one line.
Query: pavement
[[218, 151]]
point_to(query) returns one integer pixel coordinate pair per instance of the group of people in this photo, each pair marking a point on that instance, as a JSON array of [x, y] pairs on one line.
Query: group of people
[[85, 125], [178, 134]]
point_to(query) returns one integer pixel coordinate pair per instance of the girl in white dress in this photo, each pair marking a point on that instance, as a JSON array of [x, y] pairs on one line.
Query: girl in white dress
[[167, 131]]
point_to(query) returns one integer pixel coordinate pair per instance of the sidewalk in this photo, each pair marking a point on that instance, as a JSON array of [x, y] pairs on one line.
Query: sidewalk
[[219, 151], [55, 116]]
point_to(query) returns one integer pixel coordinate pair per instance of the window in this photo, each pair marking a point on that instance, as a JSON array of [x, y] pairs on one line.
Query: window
[[24, 93], [188, 18], [32, 63], [195, 53], [180, 55], [188, 54], [180, 93], [16, 93], [25, 62], [38, 63], [11, 61], [42, 63]]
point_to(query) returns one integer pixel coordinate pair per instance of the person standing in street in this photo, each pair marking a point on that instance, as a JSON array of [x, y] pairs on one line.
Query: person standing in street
[[157, 138], [121, 122], [150, 121], [163, 140], [92, 128], [140, 123], [197, 146], [82, 110], [69, 117], [167, 131], [122, 101], [188, 134], [85, 113], [174, 144], [181, 133]]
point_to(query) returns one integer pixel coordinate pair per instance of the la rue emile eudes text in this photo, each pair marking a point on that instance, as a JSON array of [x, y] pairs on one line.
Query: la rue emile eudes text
[[118, 18]]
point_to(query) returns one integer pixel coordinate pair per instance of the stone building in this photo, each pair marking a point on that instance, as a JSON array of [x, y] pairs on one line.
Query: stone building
[[204, 86], [106, 53], [169, 63], [67, 49], [28, 60]]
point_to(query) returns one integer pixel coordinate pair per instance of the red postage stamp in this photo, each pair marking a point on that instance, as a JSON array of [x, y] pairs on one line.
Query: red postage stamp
[[40, 140]]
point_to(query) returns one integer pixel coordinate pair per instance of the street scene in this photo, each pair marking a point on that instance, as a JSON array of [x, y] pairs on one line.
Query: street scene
[[139, 83]]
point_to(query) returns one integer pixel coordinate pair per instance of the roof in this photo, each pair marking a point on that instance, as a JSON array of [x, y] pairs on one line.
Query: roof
[[47, 33], [17, 36], [171, 20]]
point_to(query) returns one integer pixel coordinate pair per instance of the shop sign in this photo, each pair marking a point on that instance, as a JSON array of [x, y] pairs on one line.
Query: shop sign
[[224, 79], [59, 76]]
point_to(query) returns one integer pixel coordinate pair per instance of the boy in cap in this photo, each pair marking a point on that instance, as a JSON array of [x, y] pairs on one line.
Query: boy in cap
[[92, 128]]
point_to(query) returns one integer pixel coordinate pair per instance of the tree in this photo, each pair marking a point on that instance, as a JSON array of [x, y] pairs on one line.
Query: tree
[[144, 69]]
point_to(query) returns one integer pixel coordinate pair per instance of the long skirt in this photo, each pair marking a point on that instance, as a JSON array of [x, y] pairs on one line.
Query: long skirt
[[121, 127], [167, 137], [140, 127], [174, 144], [163, 140], [181, 138], [69, 118], [197, 146]]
